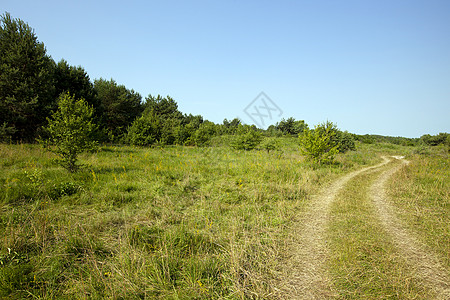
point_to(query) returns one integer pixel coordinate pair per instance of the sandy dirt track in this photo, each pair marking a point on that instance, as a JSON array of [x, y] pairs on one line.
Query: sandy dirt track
[[308, 278]]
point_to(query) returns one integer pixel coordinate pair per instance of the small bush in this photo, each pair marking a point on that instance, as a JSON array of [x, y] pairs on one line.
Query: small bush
[[203, 134], [63, 189], [345, 141], [270, 144], [144, 131], [248, 138], [319, 144]]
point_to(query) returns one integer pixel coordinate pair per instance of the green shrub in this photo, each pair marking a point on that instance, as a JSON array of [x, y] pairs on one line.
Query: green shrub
[[144, 131], [270, 144], [63, 189], [203, 134], [345, 141], [247, 138]]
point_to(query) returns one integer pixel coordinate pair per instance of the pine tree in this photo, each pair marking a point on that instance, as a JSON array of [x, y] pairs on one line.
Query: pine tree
[[26, 81]]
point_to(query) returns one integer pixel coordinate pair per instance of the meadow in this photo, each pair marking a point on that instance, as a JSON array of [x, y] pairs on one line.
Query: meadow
[[181, 222]]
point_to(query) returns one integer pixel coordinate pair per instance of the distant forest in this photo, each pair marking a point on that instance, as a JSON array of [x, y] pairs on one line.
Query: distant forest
[[31, 82]]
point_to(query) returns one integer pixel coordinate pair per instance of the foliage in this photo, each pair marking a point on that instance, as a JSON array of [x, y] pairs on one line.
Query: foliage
[[203, 134], [319, 143], [6, 132], [120, 105], [26, 80], [230, 127], [291, 127], [168, 130], [374, 138], [273, 130], [145, 130], [165, 107], [70, 130], [76, 82], [345, 141], [270, 144], [246, 138], [435, 140]]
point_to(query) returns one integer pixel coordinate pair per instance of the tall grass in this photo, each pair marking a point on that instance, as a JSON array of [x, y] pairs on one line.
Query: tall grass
[[174, 222]]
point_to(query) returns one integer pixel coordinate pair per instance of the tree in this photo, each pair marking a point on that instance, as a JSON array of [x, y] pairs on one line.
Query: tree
[[121, 106], [76, 81], [230, 127], [145, 130], [286, 126], [26, 80], [167, 108], [345, 140], [185, 133], [291, 126], [270, 144], [318, 144], [435, 140], [203, 134], [70, 130], [247, 138], [299, 127]]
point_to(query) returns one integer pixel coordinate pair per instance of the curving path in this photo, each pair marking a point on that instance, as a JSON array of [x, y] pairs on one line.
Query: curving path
[[425, 265], [308, 278]]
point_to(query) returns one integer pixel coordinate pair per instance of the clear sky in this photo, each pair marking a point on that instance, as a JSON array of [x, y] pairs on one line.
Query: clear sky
[[377, 67]]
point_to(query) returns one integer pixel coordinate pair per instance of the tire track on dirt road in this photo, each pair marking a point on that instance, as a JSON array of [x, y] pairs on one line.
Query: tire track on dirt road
[[424, 264], [308, 279]]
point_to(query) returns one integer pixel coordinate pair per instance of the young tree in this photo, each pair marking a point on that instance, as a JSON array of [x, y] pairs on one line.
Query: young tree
[[145, 130], [70, 130], [346, 141], [26, 80], [203, 134], [291, 126], [230, 127], [319, 144], [246, 138], [270, 144]]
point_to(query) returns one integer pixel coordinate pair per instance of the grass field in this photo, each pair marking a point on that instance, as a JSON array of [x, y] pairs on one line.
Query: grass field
[[180, 222]]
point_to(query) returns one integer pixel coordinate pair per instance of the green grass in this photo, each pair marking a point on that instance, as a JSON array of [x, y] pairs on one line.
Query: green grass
[[197, 223], [421, 191], [168, 223]]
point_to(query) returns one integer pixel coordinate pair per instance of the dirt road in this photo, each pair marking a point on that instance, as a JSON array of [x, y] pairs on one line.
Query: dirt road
[[308, 277], [422, 261]]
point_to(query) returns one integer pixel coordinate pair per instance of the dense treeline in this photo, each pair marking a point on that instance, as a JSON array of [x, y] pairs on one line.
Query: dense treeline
[[31, 83], [427, 139]]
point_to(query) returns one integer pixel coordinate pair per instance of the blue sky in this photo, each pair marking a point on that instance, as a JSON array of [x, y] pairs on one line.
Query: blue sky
[[377, 67]]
